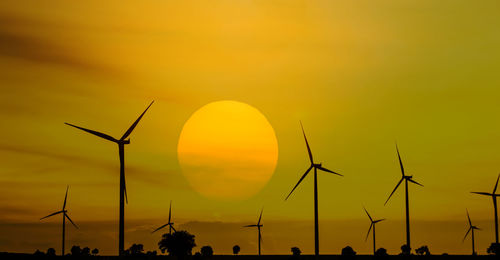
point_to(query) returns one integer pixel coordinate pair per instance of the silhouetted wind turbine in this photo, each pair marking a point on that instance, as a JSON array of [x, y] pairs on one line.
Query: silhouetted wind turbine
[[372, 224], [406, 178], [123, 190], [258, 228], [65, 216], [316, 167], [170, 224], [494, 196], [471, 230]]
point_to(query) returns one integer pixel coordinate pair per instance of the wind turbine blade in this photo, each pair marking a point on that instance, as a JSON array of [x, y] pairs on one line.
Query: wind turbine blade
[[159, 228], [170, 212], [367, 234], [468, 230], [125, 189], [131, 128], [370, 217], [55, 213], [105, 136], [394, 190], [482, 193], [66, 215], [415, 182], [468, 217], [496, 184], [476, 228], [307, 143], [172, 226], [301, 178], [378, 220], [400, 161], [250, 226], [261, 239], [326, 170], [260, 217], [65, 198]]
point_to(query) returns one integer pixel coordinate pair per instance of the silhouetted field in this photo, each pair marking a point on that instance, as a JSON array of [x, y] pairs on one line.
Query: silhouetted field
[[254, 257]]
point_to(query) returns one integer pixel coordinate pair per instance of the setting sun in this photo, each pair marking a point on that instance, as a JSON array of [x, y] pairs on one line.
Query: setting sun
[[227, 150]]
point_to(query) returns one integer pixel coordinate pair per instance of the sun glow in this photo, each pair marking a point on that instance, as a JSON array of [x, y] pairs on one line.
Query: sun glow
[[227, 150]]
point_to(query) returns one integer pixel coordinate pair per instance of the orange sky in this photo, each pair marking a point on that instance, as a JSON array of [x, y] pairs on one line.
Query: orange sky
[[359, 75]]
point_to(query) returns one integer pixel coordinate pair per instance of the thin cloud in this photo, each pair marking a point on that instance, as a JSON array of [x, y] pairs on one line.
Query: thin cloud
[[16, 42], [138, 173]]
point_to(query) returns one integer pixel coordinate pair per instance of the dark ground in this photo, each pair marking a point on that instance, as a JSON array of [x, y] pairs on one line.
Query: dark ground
[[264, 257]]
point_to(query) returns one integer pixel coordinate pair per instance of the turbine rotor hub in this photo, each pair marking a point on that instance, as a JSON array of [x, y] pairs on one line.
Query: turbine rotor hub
[[124, 141]]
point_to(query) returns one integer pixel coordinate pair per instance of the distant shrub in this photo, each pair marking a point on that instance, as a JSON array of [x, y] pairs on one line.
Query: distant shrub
[[296, 251], [348, 253], [95, 251], [76, 251], [38, 253], [206, 251], [151, 253], [405, 250], [135, 250], [494, 249], [381, 253], [423, 250], [236, 249], [51, 252], [85, 251]]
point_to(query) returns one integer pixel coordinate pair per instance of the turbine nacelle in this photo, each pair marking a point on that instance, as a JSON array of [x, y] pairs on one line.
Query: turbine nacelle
[[124, 141]]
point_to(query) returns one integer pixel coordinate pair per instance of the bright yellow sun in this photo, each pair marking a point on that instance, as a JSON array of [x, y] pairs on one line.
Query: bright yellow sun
[[227, 150]]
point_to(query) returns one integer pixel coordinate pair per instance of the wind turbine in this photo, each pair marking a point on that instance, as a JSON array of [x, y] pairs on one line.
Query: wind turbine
[[169, 224], [372, 224], [471, 230], [258, 228], [406, 178], [316, 166], [123, 190], [494, 196], [65, 216]]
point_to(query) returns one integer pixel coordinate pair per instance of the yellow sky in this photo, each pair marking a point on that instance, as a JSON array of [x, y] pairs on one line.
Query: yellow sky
[[359, 74]]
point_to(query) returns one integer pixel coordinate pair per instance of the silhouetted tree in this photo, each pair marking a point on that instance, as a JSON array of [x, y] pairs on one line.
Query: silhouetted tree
[[95, 251], [135, 249], [51, 252], [197, 256], [85, 251], [179, 244], [206, 251], [76, 251], [494, 249], [296, 251], [423, 250], [236, 249], [151, 253], [381, 253], [348, 252], [38, 253], [405, 250]]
